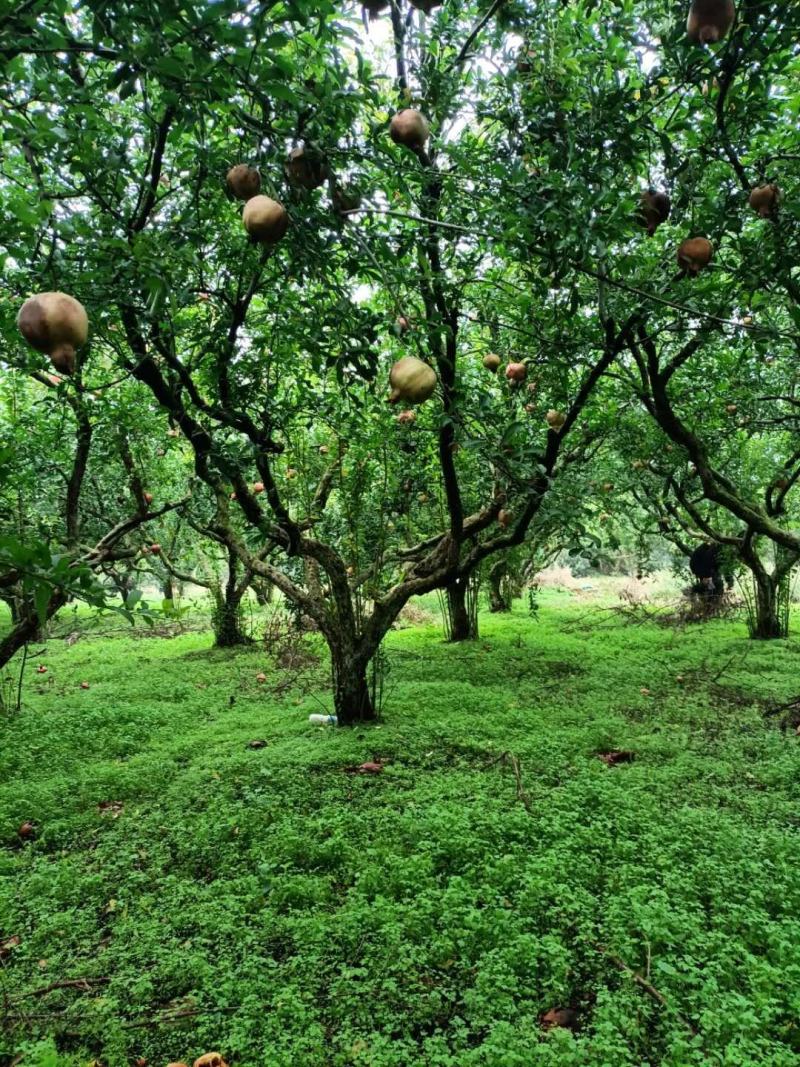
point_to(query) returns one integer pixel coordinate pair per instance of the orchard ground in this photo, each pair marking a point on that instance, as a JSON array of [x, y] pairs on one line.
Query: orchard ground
[[185, 891]]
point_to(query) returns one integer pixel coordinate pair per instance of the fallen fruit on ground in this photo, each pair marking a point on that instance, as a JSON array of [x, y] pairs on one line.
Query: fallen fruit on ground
[[611, 759]]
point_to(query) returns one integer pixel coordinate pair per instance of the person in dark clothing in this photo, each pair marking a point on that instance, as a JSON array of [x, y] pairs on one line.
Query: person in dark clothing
[[707, 563]]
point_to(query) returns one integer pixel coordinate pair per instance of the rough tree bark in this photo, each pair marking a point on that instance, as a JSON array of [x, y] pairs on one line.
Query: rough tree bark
[[767, 622], [463, 624], [228, 606], [498, 602], [352, 700]]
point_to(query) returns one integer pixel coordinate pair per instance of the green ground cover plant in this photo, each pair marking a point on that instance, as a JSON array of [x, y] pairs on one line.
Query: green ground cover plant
[[185, 891]]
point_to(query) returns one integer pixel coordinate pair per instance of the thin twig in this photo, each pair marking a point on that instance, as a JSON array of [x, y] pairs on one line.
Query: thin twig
[[508, 759], [65, 983], [648, 987], [474, 33]]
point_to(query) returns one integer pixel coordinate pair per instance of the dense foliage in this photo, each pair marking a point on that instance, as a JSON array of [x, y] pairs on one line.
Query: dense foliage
[[512, 230]]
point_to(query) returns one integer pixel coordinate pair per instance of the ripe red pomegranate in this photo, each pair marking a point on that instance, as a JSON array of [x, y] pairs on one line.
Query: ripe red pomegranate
[[516, 372]]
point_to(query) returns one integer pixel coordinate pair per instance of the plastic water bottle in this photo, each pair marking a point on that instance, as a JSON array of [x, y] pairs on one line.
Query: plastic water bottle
[[323, 720]]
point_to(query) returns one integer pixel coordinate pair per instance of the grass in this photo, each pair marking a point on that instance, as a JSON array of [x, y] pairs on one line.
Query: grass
[[272, 905]]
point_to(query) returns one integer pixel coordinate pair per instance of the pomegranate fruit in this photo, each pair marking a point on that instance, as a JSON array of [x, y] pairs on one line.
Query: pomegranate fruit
[[243, 182], [654, 208], [55, 324], [265, 220], [411, 380], [710, 20], [555, 419], [410, 129], [516, 372], [694, 254], [210, 1059], [492, 361], [305, 168], [764, 199]]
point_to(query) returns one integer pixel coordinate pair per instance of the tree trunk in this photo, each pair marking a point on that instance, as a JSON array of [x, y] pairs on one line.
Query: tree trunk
[[767, 623], [228, 617], [463, 623], [264, 591], [227, 627], [168, 589], [28, 628], [352, 700], [498, 601]]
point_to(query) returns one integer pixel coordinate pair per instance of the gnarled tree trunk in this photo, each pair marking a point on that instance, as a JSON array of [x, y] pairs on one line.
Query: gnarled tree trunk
[[461, 614], [227, 619], [768, 621], [28, 626], [352, 699], [498, 601]]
